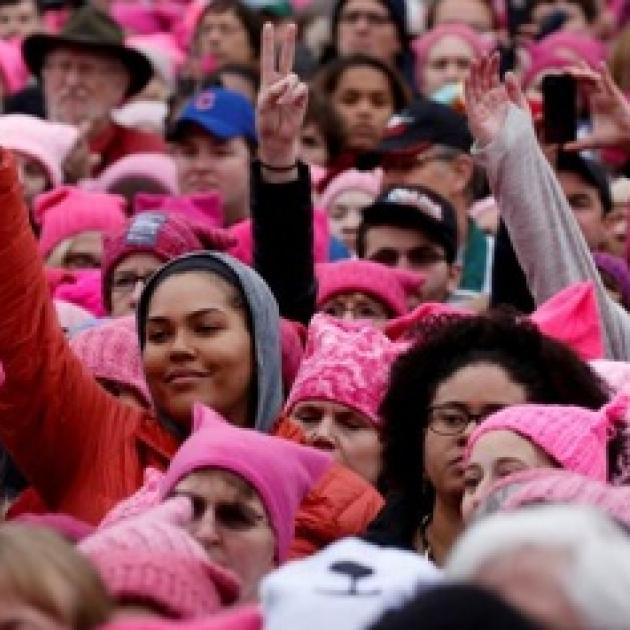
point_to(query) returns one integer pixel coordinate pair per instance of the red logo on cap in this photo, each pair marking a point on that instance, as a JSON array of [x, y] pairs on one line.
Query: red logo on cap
[[205, 101]]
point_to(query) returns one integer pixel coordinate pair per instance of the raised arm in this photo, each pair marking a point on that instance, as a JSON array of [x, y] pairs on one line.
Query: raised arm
[[546, 237], [52, 412], [282, 212]]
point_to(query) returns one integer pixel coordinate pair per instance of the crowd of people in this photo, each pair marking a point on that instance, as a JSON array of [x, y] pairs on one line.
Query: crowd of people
[[309, 319]]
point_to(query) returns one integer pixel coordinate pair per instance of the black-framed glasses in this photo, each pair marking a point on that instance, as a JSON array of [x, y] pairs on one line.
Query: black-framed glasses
[[453, 418]]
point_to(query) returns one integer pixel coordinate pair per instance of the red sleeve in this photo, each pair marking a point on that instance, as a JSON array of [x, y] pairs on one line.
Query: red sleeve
[[54, 417]]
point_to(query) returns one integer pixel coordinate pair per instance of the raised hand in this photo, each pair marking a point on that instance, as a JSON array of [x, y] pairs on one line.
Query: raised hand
[[610, 111], [488, 99], [282, 98]]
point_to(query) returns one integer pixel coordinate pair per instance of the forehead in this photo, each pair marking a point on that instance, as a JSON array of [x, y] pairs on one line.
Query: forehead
[[140, 261], [217, 484], [79, 54], [189, 292], [352, 197], [353, 298], [365, 5], [395, 237], [574, 182], [366, 78], [325, 406], [477, 14], [450, 45], [501, 444]]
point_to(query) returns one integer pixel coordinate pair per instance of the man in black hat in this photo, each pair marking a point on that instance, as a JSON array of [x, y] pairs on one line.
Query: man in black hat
[[413, 228], [86, 71], [428, 144]]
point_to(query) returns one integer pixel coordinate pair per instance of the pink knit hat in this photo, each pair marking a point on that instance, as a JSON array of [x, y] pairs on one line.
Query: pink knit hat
[[135, 18], [13, 70], [111, 352], [83, 288], [240, 618], [422, 45], [154, 166], [344, 362], [542, 485], [280, 471], [165, 235], [387, 285], [574, 437], [67, 211], [45, 142], [368, 182], [615, 373], [206, 208], [152, 558]]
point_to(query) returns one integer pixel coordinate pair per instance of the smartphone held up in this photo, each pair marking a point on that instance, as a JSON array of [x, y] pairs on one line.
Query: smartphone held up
[[560, 108]]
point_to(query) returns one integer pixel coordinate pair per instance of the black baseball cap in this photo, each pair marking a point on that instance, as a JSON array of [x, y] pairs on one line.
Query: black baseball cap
[[592, 172], [416, 208], [416, 128]]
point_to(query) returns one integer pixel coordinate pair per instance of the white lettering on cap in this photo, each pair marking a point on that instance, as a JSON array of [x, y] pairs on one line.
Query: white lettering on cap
[[417, 199]]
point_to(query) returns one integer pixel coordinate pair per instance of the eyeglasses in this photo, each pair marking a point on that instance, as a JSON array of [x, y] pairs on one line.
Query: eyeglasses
[[417, 257], [373, 19], [128, 282], [232, 515], [453, 418]]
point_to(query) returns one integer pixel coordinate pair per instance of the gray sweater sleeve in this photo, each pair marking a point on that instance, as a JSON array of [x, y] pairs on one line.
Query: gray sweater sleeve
[[546, 237]]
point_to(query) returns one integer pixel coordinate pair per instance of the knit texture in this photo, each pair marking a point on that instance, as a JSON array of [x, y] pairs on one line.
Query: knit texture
[[152, 558], [346, 363]]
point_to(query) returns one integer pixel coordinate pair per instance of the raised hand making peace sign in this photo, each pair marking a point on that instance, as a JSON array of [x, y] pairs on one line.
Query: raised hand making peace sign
[[282, 99]]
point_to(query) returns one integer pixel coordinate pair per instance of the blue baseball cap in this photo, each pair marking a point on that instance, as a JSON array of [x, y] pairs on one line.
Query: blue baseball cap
[[224, 114]]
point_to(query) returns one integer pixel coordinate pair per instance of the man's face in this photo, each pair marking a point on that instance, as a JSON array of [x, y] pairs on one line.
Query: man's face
[[224, 37], [19, 20], [82, 87], [413, 251], [205, 164], [587, 208]]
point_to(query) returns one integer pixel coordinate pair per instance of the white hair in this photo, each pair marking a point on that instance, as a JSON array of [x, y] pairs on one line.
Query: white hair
[[596, 579]]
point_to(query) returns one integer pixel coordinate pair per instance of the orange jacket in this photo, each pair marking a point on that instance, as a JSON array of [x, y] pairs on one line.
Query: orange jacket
[[79, 447]]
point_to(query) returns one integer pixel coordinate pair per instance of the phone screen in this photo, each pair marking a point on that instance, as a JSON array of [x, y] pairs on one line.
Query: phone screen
[[559, 108]]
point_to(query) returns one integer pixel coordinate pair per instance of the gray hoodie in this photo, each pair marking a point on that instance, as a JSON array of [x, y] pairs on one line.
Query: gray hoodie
[[263, 316]]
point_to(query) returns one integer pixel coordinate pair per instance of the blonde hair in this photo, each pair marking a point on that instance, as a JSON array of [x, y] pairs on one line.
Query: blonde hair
[[41, 569]]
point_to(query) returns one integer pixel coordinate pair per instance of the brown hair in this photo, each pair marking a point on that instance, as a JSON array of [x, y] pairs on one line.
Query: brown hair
[[41, 569]]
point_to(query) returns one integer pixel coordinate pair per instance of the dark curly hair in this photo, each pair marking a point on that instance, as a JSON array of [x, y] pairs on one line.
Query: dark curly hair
[[550, 372]]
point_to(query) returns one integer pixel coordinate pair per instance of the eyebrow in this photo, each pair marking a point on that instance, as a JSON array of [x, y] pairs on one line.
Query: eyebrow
[[158, 319]]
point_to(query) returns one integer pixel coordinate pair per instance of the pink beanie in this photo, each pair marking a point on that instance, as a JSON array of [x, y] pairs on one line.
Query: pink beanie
[[292, 340], [163, 51], [13, 70], [387, 285], [206, 208], [45, 142], [152, 558], [165, 235], [154, 166], [135, 17], [280, 471], [70, 315], [346, 363], [422, 45], [111, 352], [615, 373], [559, 486], [574, 437], [240, 618], [84, 290], [368, 182], [67, 211]]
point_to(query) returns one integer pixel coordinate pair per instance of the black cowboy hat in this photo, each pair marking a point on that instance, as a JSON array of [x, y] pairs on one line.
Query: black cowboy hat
[[90, 29]]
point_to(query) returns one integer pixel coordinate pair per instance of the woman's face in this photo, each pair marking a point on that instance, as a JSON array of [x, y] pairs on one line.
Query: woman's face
[[494, 456], [349, 435], [364, 103], [345, 215], [33, 177], [224, 37], [365, 26], [230, 522], [198, 348], [448, 62], [357, 306], [480, 388]]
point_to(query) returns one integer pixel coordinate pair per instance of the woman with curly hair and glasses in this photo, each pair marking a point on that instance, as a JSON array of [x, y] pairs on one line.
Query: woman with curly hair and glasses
[[462, 370]]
